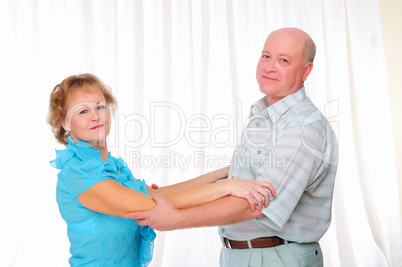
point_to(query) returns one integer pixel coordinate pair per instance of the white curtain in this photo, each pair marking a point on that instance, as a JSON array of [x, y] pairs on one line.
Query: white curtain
[[184, 74]]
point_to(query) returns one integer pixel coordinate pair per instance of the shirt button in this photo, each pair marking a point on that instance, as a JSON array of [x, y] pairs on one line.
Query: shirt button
[[259, 152], [223, 230]]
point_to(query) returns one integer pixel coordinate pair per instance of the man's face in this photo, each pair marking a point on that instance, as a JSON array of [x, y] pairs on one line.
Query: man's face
[[281, 69]]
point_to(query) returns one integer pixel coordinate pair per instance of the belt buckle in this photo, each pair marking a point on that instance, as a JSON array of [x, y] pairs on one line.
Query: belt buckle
[[226, 242]]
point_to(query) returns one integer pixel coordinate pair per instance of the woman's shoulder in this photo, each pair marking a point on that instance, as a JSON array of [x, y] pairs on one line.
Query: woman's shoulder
[[77, 153]]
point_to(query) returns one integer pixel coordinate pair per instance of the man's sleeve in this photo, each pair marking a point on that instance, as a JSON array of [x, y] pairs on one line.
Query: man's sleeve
[[298, 163]]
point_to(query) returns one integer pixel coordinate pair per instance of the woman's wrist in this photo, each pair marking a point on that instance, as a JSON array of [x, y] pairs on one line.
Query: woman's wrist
[[220, 174], [228, 187]]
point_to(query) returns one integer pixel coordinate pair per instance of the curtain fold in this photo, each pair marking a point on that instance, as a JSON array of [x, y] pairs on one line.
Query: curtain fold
[[184, 75]]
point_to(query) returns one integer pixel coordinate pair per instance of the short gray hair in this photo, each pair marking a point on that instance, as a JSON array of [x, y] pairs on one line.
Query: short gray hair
[[309, 51]]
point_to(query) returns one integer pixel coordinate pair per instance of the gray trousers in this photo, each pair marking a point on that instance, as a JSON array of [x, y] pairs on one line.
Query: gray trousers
[[293, 254]]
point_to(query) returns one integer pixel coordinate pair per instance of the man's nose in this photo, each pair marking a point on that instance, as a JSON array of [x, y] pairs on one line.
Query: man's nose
[[269, 65]]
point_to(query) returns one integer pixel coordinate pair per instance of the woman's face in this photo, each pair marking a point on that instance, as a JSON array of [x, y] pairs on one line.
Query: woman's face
[[87, 116]]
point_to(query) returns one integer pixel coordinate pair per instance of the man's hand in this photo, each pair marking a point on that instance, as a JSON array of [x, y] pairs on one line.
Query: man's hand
[[162, 217], [155, 186]]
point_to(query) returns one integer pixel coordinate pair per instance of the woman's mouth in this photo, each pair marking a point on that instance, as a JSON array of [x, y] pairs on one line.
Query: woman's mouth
[[97, 127]]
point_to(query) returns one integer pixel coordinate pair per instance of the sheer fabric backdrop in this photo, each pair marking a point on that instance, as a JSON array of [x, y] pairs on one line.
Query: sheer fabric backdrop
[[184, 74]]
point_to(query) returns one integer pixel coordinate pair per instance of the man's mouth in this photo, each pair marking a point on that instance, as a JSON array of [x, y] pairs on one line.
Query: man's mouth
[[269, 78]]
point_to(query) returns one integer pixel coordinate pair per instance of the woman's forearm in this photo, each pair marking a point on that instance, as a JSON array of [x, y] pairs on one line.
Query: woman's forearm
[[198, 195], [112, 198], [255, 192], [199, 181]]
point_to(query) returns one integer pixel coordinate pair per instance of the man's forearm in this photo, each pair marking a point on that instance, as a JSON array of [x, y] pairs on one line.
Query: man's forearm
[[224, 211]]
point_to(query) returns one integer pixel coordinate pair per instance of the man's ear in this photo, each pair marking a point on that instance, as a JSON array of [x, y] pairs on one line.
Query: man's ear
[[307, 69], [64, 125]]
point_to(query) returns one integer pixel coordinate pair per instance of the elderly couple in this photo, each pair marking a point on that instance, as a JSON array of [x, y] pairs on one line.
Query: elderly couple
[[268, 216]]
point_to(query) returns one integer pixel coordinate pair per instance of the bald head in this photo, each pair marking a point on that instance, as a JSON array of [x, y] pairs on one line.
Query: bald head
[[297, 36], [285, 63]]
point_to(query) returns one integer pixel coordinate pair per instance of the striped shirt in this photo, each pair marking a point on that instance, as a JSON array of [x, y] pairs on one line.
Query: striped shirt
[[292, 145]]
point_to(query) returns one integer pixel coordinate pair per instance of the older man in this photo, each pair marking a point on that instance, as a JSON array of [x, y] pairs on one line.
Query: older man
[[286, 142]]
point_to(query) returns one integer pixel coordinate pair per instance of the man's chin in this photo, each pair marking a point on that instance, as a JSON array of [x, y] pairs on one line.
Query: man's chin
[[268, 90]]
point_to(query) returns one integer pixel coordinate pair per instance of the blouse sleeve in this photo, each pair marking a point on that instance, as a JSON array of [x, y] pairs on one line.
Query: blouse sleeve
[[82, 175]]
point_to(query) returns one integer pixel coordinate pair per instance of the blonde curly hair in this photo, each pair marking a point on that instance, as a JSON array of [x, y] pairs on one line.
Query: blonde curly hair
[[60, 94]]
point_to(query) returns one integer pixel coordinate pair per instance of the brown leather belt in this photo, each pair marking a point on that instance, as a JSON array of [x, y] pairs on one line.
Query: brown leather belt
[[263, 242]]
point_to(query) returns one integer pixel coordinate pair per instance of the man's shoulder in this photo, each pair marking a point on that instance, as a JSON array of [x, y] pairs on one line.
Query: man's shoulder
[[306, 112], [302, 112], [307, 119]]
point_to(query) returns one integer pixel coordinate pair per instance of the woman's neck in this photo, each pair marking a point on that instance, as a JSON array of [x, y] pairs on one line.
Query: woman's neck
[[102, 146]]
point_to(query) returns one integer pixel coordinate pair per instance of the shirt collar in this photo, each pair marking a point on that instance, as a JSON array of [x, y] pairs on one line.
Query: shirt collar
[[279, 108]]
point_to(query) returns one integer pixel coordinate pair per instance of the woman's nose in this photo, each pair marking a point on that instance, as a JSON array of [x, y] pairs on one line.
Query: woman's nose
[[95, 115]]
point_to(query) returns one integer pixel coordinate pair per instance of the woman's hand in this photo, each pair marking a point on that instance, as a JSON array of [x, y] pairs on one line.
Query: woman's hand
[[254, 191]]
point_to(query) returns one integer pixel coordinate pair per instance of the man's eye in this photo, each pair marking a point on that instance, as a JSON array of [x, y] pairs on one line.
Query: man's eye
[[101, 107], [265, 56], [284, 60]]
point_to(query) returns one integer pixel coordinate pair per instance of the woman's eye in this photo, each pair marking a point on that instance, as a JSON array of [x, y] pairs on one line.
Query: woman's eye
[[101, 107], [84, 111]]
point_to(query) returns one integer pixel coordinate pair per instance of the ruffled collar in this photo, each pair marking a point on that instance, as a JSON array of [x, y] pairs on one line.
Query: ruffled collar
[[84, 152]]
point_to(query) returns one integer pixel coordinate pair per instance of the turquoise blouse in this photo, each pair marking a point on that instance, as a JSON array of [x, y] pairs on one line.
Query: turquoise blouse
[[98, 239]]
